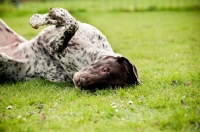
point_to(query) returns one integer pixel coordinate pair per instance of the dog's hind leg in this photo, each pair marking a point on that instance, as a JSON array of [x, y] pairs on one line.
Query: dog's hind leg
[[8, 36]]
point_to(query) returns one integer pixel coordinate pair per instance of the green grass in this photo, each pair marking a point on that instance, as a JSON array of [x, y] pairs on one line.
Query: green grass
[[165, 46]]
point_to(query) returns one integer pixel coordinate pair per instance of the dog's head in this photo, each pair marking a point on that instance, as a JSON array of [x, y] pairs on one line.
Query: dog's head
[[108, 72]]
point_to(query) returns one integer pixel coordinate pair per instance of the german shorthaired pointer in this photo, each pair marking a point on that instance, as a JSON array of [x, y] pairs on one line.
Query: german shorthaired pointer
[[66, 51]]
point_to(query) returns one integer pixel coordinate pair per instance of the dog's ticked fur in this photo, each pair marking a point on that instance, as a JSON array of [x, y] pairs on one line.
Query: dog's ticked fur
[[66, 51]]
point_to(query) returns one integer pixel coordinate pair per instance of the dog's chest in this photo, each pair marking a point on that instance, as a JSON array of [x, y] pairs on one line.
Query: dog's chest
[[76, 56], [82, 49]]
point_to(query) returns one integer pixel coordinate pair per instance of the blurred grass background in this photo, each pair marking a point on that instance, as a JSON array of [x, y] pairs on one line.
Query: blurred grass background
[[23, 7]]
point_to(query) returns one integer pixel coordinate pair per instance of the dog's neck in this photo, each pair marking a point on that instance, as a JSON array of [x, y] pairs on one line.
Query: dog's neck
[[104, 54]]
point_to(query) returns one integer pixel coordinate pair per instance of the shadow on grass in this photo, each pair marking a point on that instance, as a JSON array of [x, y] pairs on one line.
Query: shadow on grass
[[37, 81], [45, 84]]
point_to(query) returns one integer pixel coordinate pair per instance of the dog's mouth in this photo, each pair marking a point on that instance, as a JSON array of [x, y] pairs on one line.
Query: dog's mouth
[[79, 82], [88, 82]]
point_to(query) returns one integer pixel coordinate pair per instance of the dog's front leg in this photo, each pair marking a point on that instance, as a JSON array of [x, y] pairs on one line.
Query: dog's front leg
[[61, 18], [59, 43]]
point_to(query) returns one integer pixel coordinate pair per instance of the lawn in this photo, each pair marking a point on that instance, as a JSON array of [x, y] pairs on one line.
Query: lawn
[[164, 45]]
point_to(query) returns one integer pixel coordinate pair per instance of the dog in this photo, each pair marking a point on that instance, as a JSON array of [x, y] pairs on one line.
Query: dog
[[68, 50]]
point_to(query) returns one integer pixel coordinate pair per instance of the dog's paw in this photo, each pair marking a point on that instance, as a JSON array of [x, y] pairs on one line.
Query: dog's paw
[[62, 16], [38, 20]]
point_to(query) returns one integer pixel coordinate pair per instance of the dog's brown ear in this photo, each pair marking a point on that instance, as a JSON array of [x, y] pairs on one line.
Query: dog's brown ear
[[131, 70]]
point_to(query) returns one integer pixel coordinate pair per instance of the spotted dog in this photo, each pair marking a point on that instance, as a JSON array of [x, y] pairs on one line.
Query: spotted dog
[[68, 50]]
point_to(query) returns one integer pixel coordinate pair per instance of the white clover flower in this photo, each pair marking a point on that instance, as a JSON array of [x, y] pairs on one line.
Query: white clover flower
[[130, 102], [9, 107]]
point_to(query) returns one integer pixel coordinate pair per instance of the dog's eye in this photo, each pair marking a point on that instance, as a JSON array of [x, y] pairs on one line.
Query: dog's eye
[[104, 69]]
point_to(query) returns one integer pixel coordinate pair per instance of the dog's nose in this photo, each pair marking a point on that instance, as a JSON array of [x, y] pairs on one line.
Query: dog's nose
[[80, 82]]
